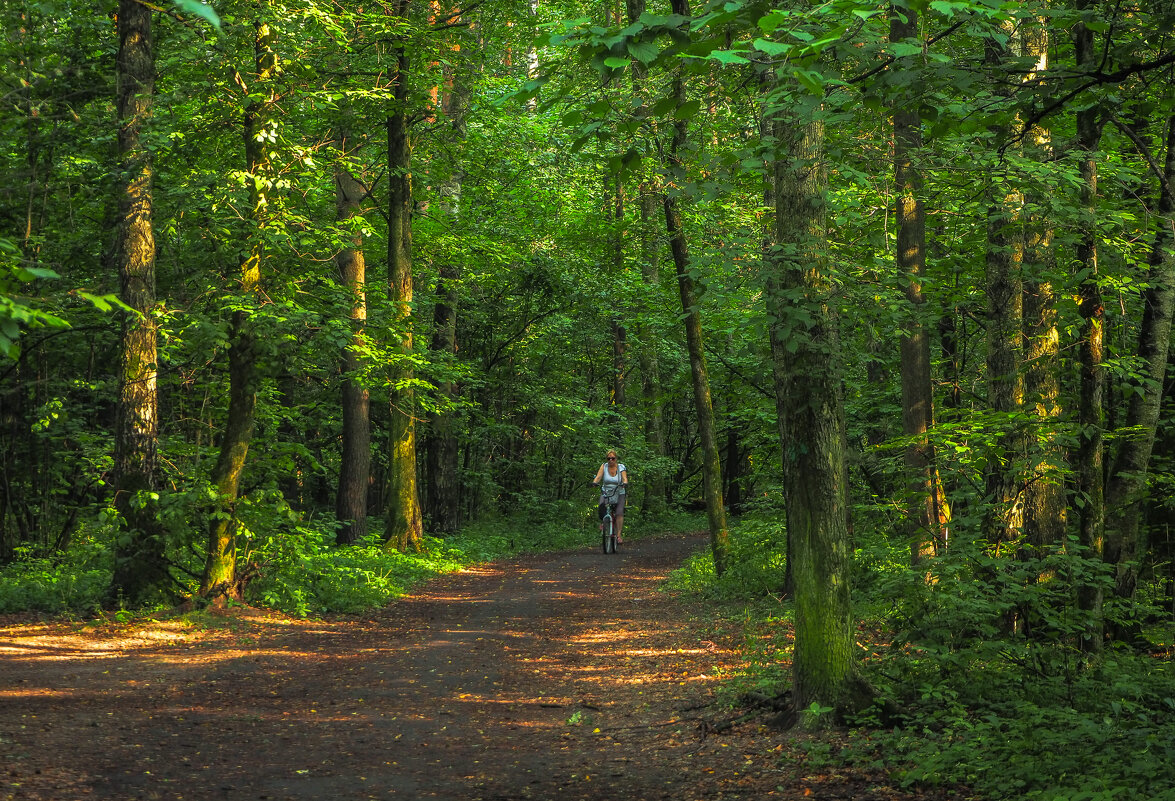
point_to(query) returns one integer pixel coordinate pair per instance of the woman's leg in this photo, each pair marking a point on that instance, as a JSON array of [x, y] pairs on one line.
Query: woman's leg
[[619, 528]]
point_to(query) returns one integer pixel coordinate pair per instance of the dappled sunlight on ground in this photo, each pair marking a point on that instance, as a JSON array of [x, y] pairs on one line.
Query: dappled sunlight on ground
[[568, 677]]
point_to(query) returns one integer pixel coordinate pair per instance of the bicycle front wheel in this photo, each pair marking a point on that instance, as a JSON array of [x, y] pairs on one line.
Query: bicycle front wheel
[[609, 540]]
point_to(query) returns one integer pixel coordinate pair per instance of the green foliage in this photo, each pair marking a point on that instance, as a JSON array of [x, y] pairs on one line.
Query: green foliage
[[1108, 733], [988, 682], [756, 566], [77, 583], [318, 577]]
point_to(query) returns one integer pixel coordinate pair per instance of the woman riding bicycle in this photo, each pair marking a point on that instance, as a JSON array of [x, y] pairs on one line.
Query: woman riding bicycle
[[613, 480]]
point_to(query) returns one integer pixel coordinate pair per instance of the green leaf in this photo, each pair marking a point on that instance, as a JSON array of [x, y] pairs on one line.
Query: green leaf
[[687, 110], [644, 52], [773, 48], [727, 57], [202, 10], [811, 80], [664, 106], [773, 21], [617, 63], [900, 49]]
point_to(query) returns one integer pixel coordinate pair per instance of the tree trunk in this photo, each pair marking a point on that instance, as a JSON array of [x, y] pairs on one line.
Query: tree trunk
[[1127, 487], [220, 566], [1090, 412], [655, 495], [355, 458], [140, 568], [809, 393], [657, 492], [1045, 505], [404, 519], [711, 461], [1004, 261], [443, 501], [926, 506], [619, 334]]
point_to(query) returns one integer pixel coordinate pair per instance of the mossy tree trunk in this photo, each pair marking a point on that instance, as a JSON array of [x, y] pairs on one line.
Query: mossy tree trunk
[[926, 506], [220, 566], [405, 525], [140, 570], [1127, 489], [703, 405], [824, 668]]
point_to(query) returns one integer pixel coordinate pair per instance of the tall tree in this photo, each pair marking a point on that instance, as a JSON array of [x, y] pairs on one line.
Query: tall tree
[[442, 447], [1045, 505], [355, 458], [675, 227], [809, 393], [1003, 285], [1127, 486], [1090, 459], [140, 567], [927, 511], [405, 524], [650, 200], [259, 128]]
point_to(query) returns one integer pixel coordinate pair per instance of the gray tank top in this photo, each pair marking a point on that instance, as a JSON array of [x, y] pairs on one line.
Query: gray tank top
[[611, 486]]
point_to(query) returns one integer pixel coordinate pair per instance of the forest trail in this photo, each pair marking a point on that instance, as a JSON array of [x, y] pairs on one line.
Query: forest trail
[[556, 676]]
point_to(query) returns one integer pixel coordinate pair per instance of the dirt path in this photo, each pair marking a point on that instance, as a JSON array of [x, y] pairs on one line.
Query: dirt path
[[565, 676]]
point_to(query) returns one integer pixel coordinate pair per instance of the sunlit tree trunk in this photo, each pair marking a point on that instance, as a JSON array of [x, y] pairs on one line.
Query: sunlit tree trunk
[[140, 569], [809, 394], [1045, 505], [220, 579], [1090, 413], [927, 506], [355, 457], [711, 461], [404, 519], [1126, 491]]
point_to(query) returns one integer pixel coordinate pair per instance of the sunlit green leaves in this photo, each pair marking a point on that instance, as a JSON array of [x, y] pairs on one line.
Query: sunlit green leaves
[[199, 9]]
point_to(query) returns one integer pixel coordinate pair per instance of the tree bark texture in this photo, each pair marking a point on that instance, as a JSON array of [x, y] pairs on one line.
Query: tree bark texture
[[926, 514], [1126, 491], [809, 395], [1003, 263], [674, 226], [220, 567], [355, 455], [1090, 411], [405, 524], [140, 569], [1045, 504], [441, 459]]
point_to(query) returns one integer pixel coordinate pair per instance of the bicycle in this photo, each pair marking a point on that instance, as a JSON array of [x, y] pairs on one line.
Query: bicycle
[[607, 527]]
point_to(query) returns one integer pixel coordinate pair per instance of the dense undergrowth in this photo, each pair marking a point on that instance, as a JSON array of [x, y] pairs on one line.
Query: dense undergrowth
[[982, 680], [296, 567]]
